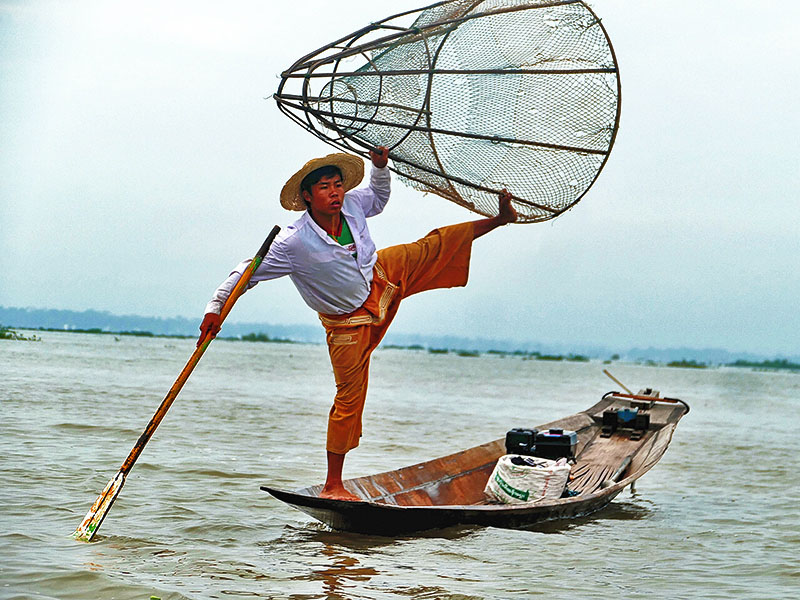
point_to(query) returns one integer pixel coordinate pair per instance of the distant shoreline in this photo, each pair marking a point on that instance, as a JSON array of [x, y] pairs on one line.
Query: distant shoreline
[[249, 337], [182, 327], [777, 365]]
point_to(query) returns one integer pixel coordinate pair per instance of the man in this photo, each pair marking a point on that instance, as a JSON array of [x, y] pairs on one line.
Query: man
[[332, 260]]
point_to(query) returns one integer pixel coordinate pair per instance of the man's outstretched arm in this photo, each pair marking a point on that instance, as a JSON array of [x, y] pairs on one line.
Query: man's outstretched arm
[[373, 198]]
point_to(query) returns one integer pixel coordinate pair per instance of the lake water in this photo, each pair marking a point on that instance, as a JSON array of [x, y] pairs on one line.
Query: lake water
[[716, 518]]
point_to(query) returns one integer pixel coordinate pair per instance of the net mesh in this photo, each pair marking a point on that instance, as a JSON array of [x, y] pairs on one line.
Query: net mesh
[[470, 98]]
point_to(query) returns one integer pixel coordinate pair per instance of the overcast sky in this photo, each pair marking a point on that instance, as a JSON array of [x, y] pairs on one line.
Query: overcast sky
[[141, 156]]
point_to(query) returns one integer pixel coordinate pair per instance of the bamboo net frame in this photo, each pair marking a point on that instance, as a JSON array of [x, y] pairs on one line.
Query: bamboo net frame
[[470, 97]]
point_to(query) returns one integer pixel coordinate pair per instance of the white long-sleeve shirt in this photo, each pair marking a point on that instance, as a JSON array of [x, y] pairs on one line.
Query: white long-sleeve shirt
[[329, 279]]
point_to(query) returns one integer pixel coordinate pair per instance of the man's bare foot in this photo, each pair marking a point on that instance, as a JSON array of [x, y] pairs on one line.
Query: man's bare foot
[[334, 488], [507, 213], [338, 493]]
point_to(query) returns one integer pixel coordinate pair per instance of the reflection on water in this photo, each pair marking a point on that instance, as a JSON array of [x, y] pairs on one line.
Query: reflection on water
[[625, 511], [715, 518], [341, 571], [316, 533]]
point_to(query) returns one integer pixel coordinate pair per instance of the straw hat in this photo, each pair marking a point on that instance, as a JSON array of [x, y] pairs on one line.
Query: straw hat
[[352, 168]]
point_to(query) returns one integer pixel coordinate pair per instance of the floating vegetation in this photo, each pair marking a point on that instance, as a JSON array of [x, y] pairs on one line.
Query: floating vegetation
[[9, 334]]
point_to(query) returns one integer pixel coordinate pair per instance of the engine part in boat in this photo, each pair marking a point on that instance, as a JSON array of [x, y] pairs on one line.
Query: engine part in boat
[[521, 441], [556, 443]]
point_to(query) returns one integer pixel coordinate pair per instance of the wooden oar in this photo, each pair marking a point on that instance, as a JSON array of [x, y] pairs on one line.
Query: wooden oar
[[620, 470], [94, 518], [617, 381]]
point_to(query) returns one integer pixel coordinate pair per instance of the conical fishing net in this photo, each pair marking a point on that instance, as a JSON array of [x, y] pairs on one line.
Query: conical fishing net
[[471, 97]]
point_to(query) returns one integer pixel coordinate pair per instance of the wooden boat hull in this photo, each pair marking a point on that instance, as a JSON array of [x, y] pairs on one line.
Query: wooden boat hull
[[449, 490], [384, 519]]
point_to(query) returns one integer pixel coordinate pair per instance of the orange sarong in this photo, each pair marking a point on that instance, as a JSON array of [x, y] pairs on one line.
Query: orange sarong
[[439, 260]]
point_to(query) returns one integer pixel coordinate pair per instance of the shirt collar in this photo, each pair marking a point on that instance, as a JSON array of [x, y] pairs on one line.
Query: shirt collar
[[307, 220]]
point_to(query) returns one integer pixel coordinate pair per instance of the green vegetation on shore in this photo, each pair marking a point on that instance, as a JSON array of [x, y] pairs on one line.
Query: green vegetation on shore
[[502, 353], [261, 337], [777, 364], [397, 347], [6, 333], [98, 331], [558, 357], [468, 353], [687, 364]]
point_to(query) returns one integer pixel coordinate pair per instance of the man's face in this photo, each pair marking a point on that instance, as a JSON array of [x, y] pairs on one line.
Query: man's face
[[326, 196]]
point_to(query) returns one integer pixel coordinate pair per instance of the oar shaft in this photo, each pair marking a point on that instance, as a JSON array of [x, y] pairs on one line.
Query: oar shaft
[[615, 477], [617, 381], [238, 290], [618, 473], [163, 408], [98, 511]]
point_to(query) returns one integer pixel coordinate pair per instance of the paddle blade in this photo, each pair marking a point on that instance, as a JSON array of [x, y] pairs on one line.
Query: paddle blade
[[91, 522]]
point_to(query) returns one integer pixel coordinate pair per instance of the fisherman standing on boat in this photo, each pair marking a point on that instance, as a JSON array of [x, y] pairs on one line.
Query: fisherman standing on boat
[[331, 258]]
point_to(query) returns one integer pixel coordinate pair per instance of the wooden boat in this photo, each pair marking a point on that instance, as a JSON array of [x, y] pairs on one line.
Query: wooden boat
[[449, 490]]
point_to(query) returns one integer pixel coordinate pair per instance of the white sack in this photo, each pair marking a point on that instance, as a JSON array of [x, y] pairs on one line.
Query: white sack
[[534, 481]]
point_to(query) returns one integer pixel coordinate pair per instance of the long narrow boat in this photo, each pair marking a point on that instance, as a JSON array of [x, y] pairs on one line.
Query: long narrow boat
[[449, 490]]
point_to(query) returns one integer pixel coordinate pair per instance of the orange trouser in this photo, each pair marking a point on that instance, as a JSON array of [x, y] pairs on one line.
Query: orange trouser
[[439, 260]]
